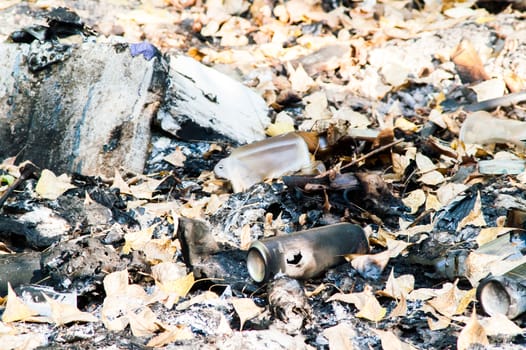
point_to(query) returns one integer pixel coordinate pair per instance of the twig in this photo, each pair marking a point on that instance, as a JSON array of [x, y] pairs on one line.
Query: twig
[[372, 153]]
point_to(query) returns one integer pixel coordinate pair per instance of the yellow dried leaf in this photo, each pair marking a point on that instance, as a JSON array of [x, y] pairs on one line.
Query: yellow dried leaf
[[176, 158], [499, 324], [176, 289], [448, 299], [391, 342], [424, 164], [121, 297], [475, 216], [145, 189], [198, 299], [159, 250], [478, 265], [50, 186], [491, 88], [395, 247], [441, 322], [246, 309], [488, 234], [368, 306], [279, 128], [116, 282], [371, 265], [432, 202], [422, 294], [245, 238], [414, 200], [168, 271], [299, 79], [316, 106], [411, 231], [467, 298], [472, 334], [62, 314], [449, 191], [398, 287], [215, 202], [340, 336], [171, 335], [15, 309], [144, 322], [137, 240], [405, 125], [401, 308], [432, 178], [118, 182]]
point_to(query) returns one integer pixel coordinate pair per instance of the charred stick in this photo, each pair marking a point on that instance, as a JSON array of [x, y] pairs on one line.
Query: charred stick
[[372, 153]]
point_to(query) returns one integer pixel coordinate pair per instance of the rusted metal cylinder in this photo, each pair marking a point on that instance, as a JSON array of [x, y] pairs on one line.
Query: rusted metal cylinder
[[305, 254], [505, 294]]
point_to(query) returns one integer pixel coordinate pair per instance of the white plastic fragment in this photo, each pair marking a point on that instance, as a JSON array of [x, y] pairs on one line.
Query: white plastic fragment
[[267, 159], [206, 99]]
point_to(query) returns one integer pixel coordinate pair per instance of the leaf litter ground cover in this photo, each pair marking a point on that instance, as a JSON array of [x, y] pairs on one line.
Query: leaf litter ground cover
[[385, 92]]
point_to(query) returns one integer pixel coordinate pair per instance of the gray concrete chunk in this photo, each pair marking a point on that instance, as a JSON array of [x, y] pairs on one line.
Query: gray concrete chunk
[[89, 113]]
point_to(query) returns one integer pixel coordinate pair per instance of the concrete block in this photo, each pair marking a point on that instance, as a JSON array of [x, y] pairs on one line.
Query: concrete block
[[89, 113]]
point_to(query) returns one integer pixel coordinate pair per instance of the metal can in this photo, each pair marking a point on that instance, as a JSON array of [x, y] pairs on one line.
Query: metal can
[[505, 294], [305, 254]]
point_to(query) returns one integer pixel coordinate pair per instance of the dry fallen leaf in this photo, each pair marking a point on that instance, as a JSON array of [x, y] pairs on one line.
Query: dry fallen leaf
[[368, 306], [118, 182], [488, 234], [50, 186], [144, 322], [432, 178], [121, 297], [371, 265], [401, 308], [62, 314], [414, 200], [475, 216], [145, 189], [246, 309], [499, 324], [174, 289], [300, 81], [468, 63], [170, 335], [316, 106], [279, 128], [424, 164], [340, 336], [398, 287], [137, 240], [437, 321], [405, 125], [489, 89], [448, 299], [15, 309], [160, 250], [472, 334], [391, 342], [176, 158], [198, 299]]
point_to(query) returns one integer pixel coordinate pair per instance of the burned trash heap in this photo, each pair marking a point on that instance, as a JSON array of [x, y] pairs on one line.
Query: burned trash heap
[[262, 174]]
